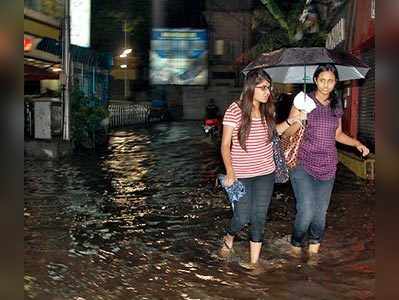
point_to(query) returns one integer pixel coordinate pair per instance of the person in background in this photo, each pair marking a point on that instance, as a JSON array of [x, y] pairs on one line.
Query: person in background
[[283, 106], [212, 111], [212, 117]]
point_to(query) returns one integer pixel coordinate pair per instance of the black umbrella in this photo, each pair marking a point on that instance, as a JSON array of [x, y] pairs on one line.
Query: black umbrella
[[297, 65]]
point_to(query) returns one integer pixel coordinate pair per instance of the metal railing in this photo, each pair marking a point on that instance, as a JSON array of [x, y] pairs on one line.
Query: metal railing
[[121, 114], [28, 119], [124, 114]]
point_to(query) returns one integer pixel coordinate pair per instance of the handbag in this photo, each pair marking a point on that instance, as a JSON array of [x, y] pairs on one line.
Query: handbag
[[290, 145], [281, 173]]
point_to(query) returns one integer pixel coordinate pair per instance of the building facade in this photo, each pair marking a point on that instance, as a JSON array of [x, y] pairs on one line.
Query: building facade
[[229, 28], [42, 68], [229, 35], [354, 32], [42, 54]]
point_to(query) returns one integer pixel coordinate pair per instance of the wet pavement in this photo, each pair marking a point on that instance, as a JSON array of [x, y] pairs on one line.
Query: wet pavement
[[142, 219]]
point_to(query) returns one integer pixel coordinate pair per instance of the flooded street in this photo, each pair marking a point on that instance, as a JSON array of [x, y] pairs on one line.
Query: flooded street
[[142, 219]]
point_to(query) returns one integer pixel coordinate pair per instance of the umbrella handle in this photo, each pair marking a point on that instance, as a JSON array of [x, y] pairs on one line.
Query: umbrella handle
[[304, 121], [304, 79]]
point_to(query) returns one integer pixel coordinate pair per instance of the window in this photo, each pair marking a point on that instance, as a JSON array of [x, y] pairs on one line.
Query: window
[[219, 47]]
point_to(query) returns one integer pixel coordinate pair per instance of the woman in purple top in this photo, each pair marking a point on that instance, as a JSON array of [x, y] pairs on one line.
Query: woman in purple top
[[313, 178]]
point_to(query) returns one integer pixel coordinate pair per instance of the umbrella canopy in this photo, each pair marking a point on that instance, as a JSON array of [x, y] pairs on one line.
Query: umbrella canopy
[[297, 65]]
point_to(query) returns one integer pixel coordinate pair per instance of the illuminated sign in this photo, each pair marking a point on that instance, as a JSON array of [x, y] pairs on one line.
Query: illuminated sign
[[80, 22], [179, 56]]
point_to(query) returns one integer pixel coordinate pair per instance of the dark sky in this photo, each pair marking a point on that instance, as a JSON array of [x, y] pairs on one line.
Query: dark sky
[[178, 13]]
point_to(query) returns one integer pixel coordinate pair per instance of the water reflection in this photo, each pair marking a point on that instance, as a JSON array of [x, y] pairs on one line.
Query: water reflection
[[142, 219]]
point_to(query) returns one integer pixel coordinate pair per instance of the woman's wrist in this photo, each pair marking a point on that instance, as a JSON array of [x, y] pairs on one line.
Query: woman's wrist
[[230, 173], [357, 143]]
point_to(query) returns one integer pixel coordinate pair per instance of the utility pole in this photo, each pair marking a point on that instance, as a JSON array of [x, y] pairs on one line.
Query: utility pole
[[66, 69], [126, 81]]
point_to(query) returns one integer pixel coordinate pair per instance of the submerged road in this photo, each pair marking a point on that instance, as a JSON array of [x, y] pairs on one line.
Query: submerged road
[[142, 219]]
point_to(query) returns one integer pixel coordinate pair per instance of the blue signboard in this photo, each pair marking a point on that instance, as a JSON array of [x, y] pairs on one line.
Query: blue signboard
[[179, 56]]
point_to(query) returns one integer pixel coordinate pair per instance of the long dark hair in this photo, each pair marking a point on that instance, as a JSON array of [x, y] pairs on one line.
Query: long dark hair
[[333, 95], [267, 109]]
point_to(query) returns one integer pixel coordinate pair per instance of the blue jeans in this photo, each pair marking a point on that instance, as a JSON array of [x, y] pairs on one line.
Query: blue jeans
[[312, 201], [252, 207]]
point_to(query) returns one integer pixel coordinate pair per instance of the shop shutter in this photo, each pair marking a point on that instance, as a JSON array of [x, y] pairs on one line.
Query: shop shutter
[[366, 124]]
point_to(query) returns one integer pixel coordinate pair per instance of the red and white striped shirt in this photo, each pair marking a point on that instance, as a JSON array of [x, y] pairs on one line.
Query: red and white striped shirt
[[258, 159]]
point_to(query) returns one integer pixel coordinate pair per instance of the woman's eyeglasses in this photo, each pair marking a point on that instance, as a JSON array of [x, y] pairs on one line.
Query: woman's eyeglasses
[[265, 87]]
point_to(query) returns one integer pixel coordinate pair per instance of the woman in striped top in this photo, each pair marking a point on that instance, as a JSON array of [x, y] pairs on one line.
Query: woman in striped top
[[247, 153]]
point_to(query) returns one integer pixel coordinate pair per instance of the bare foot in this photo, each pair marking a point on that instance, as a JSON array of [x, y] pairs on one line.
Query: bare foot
[[248, 265], [296, 252], [313, 248], [313, 259]]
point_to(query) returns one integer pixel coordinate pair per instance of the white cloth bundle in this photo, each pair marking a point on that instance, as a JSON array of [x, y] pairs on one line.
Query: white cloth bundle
[[304, 102]]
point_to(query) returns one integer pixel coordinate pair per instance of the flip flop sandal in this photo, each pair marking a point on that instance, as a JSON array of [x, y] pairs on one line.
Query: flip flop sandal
[[225, 251]]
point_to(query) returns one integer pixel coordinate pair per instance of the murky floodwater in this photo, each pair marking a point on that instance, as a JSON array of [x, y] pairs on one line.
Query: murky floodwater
[[142, 219]]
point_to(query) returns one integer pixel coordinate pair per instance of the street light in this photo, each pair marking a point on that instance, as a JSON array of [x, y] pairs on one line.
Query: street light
[[125, 52], [56, 69]]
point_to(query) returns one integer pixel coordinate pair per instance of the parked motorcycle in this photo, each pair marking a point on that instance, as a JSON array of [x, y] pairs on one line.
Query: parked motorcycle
[[211, 127]]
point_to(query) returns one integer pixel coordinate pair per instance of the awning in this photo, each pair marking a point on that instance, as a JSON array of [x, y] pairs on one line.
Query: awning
[[79, 54], [32, 73]]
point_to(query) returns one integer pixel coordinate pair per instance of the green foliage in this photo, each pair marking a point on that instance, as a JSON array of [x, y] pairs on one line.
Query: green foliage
[[86, 116], [277, 25], [277, 38], [287, 19]]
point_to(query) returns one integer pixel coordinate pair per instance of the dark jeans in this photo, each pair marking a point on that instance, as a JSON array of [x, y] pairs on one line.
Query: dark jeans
[[312, 201], [252, 207]]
